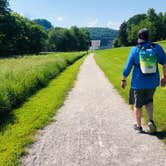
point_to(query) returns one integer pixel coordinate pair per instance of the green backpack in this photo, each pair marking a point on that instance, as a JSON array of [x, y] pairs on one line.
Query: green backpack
[[148, 59]]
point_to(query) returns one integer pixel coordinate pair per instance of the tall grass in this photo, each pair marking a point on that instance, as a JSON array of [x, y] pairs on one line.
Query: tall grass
[[112, 62], [21, 77], [21, 123]]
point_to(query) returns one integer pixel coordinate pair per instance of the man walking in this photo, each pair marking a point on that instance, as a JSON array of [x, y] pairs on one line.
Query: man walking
[[144, 59]]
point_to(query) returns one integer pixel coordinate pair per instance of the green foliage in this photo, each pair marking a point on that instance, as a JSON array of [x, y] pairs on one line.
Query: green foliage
[[73, 39], [17, 132], [17, 82], [136, 19], [156, 23], [4, 6], [18, 35], [106, 35], [84, 39], [112, 63], [122, 35], [116, 43], [44, 23]]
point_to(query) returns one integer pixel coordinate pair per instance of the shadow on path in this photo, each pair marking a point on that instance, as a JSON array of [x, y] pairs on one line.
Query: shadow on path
[[159, 134]]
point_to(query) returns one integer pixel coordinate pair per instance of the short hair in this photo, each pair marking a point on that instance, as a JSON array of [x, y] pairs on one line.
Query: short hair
[[143, 34]]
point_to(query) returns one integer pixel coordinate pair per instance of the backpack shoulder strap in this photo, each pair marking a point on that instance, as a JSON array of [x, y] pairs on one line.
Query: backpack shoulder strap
[[140, 47], [152, 45]]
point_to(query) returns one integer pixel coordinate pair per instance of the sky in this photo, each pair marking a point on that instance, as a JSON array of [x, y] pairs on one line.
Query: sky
[[85, 13]]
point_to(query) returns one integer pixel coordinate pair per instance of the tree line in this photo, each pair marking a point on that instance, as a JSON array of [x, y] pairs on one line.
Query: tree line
[[156, 23], [19, 35]]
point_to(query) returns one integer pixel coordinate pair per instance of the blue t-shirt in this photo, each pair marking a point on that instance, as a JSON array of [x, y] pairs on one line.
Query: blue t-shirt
[[140, 80]]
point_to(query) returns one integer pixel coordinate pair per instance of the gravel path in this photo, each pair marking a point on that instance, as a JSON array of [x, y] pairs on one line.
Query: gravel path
[[94, 128]]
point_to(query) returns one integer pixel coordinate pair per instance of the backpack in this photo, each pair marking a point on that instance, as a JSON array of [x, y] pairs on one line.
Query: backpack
[[148, 59]]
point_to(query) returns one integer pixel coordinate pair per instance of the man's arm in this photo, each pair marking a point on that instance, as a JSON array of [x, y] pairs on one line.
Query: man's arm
[[163, 79], [127, 68], [162, 61], [164, 70]]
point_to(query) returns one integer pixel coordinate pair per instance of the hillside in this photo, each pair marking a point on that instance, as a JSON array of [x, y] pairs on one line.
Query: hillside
[[106, 35], [44, 23]]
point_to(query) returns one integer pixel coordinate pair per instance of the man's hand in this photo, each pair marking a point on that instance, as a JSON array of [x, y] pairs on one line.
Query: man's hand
[[123, 84], [163, 82]]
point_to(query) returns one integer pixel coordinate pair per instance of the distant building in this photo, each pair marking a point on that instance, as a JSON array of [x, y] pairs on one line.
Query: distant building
[[95, 44]]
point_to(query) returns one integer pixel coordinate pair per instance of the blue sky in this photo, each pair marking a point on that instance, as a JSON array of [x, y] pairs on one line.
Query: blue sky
[[83, 13]]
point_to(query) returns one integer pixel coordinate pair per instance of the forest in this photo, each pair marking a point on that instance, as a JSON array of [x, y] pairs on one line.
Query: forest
[[155, 22]]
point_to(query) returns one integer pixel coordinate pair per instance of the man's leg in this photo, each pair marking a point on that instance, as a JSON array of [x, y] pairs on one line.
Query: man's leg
[[151, 124], [149, 109], [138, 114]]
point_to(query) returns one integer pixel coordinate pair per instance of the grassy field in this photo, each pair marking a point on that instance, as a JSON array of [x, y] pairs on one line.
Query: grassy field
[[18, 130], [112, 62], [21, 77]]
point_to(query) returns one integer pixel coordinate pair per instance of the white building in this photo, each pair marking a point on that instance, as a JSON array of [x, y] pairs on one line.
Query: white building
[[95, 44]]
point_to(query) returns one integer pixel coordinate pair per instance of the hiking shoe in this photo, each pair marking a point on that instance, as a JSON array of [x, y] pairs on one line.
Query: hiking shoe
[[138, 128], [152, 126]]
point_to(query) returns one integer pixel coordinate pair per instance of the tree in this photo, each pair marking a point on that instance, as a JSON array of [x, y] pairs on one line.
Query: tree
[[7, 33], [153, 22], [164, 25], [55, 39], [81, 38], [19, 35], [136, 19], [37, 37], [85, 39], [123, 34], [160, 27], [4, 6], [76, 36], [73, 39], [116, 43], [156, 23]]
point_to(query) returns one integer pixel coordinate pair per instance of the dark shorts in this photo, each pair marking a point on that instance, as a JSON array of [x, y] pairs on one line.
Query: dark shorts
[[138, 98]]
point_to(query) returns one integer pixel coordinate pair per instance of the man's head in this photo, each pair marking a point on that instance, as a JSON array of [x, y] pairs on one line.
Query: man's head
[[143, 35]]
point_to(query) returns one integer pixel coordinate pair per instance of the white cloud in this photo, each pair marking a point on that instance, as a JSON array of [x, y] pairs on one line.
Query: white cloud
[[113, 24], [60, 18], [93, 22]]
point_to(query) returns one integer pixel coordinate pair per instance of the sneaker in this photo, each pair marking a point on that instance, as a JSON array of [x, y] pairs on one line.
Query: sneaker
[[138, 128], [152, 126]]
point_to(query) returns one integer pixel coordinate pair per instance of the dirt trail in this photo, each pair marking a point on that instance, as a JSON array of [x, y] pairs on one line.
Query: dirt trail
[[94, 128]]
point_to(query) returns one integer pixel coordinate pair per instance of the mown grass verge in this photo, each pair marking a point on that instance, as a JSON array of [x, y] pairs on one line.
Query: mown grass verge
[[112, 62], [21, 77], [19, 129]]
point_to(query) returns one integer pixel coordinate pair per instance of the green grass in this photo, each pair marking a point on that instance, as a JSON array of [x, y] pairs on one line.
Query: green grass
[[18, 130], [21, 77], [112, 63]]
